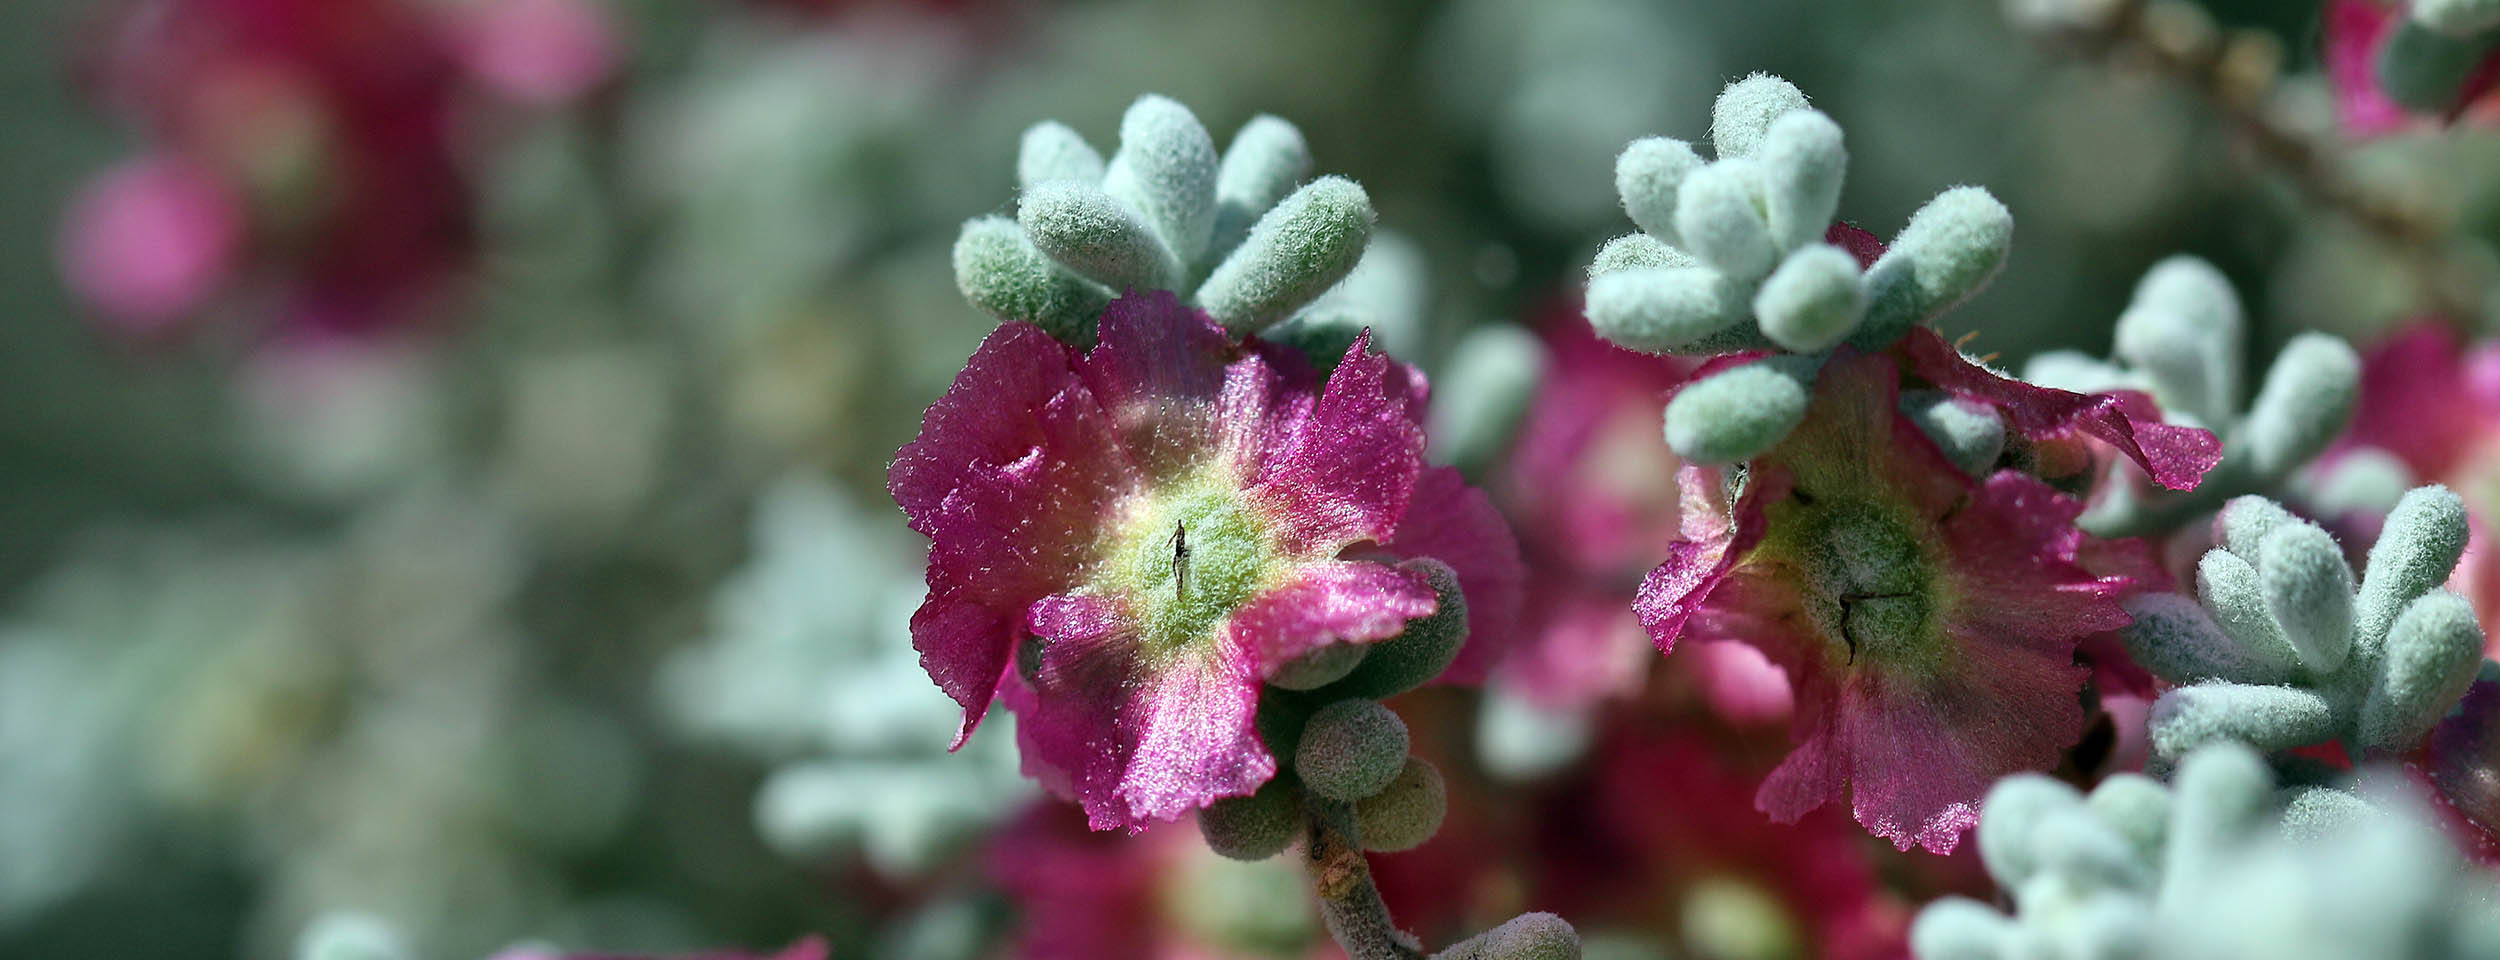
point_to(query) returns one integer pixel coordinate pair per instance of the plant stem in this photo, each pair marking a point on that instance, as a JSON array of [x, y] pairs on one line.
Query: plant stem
[[1348, 901]]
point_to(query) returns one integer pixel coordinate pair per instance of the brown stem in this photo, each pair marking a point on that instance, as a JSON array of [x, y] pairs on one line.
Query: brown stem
[[1348, 900]]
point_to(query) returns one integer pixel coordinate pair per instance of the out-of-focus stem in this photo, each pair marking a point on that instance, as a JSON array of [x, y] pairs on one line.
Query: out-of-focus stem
[[2178, 41]]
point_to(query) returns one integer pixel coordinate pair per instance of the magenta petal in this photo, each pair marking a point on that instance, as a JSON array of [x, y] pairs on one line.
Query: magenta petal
[[1330, 601], [1159, 371], [1347, 472], [1923, 752], [1136, 738], [2354, 29], [1860, 244], [1695, 566], [1011, 474], [1456, 524], [2174, 456]]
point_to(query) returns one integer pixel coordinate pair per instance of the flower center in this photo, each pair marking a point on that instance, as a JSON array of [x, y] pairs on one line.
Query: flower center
[[1187, 557], [1867, 573]]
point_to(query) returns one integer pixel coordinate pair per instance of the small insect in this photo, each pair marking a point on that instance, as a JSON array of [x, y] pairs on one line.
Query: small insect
[[1180, 561]]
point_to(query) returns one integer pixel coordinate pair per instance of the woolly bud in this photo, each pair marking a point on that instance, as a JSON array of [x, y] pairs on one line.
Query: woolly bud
[[2417, 547], [2177, 639], [1405, 813], [1321, 667], [1483, 393], [2138, 808], [1528, 936], [2269, 718], [1813, 300], [1254, 827], [2231, 587], [2429, 660], [1647, 175], [1082, 227], [1743, 114], [2183, 329], [1739, 413], [1634, 251], [1052, 151], [1351, 749], [1803, 164], [2320, 812], [1427, 647], [1165, 170], [1003, 274], [2307, 400], [1266, 159], [2011, 819], [1295, 252], [2426, 69], [1970, 432], [2309, 589], [2221, 794], [1718, 215], [1951, 248], [1960, 928], [2073, 843], [2461, 18], [2246, 521], [1663, 309]]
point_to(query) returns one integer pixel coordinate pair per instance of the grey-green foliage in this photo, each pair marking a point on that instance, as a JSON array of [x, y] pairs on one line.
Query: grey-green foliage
[[1731, 256], [2280, 649], [1240, 235], [2180, 340], [2217, 864]]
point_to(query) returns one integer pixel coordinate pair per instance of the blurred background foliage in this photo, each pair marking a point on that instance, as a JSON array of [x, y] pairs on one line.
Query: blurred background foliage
[[567, 604]]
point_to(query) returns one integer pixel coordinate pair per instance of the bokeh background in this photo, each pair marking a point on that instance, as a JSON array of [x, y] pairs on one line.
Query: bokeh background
[[442, 441]]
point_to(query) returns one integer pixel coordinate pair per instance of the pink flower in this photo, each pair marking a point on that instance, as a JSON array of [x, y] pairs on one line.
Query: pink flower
[[150, 240], [1147, 531], [2355, 32], [1927, 621], [543, 52]]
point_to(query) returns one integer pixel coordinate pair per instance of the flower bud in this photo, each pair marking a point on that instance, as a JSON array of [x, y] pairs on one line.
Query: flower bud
[[1351, 749], [1254, 827], [1405, 813]]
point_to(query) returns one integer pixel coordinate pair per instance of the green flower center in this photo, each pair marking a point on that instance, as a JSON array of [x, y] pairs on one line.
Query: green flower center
[[1187, 556], [1869, 578]]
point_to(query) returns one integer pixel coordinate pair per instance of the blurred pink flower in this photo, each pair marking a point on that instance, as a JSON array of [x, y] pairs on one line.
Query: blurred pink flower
[[149, 240], [337, 129], [1081, 895], [2432, 399], [2355, 30]]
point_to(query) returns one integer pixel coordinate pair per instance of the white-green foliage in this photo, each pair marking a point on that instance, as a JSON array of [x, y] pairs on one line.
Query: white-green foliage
[[1731, 256], [1240, 235], [2280, 649], [1970, 433], [1482, 393], [2180, 340], [809, 666], [2218, 864]]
